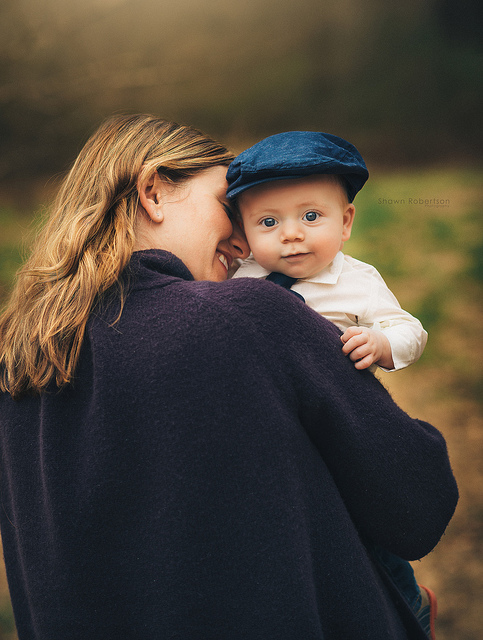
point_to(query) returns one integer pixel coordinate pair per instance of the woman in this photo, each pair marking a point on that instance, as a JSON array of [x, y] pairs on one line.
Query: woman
[[177, 460]]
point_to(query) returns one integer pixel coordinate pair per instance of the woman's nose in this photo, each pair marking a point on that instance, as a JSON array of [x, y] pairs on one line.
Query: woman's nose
[[238, 242], [291, 232]]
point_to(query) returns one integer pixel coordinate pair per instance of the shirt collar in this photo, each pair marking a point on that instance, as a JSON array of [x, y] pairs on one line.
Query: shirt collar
[[329, 275]]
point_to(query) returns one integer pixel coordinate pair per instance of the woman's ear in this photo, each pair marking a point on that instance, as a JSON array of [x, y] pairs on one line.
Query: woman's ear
[[150, 195], [348, 219]]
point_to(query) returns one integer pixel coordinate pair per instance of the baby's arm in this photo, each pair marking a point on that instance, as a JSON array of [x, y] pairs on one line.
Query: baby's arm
[[386, 335], [366, 346]]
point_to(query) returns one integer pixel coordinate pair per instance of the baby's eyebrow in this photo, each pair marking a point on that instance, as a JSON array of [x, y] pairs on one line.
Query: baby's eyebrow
[[266, 212], [312, 203]]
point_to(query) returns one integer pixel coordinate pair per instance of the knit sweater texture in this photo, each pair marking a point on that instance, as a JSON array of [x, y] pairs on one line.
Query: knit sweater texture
[[214, 473]]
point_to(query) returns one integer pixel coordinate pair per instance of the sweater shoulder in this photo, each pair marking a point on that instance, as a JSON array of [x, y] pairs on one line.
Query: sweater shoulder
[[203, 318], [265, 304]]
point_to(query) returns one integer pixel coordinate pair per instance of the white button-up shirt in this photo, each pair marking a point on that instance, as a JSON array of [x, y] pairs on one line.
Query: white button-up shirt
[[349, 292]]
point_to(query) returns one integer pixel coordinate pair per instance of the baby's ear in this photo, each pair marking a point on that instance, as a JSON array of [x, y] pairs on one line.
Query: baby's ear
[[348, 219]]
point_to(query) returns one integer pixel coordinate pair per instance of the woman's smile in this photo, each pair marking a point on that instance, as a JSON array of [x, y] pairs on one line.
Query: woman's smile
[[196, 226], [224, 260]]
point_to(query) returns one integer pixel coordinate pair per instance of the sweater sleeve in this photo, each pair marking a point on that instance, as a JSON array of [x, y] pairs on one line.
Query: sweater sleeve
[[392, 471]]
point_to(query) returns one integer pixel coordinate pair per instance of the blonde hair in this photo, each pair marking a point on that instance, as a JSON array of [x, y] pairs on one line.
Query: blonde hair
[[87, 242]]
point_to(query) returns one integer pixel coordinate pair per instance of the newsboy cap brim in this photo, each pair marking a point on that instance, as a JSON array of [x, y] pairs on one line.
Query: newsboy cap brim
[[296, 154]]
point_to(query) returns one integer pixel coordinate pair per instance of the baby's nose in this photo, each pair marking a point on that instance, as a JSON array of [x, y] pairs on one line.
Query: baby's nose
[[291, 232]]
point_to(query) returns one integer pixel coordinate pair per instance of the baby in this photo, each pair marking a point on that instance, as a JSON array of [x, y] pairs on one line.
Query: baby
[[294, 192]]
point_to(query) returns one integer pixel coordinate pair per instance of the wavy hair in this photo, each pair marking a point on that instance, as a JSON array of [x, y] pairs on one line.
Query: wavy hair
[[87, 242]]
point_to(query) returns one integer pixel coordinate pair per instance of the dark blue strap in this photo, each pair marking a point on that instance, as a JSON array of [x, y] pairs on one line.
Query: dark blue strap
[[284, 281]]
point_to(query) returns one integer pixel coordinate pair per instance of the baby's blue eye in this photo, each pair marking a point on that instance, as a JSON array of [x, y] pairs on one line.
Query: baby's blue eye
[[311, 216], [269, 222]]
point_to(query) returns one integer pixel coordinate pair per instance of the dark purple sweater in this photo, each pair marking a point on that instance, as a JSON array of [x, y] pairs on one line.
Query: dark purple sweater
[[212, 474]]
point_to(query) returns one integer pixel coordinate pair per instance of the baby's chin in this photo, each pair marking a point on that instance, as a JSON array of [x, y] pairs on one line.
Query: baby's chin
[[294, 270]]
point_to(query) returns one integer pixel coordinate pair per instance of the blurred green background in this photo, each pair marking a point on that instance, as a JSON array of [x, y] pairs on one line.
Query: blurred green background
[[402, 81]]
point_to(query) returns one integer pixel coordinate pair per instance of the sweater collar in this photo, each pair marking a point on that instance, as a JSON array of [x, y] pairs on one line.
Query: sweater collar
[[159, 261]]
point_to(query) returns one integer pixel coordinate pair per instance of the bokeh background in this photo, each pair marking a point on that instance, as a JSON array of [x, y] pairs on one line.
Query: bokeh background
[[402, 81]]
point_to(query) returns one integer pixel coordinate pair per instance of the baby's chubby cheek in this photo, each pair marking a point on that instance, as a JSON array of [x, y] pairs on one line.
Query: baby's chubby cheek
[[266, 259]]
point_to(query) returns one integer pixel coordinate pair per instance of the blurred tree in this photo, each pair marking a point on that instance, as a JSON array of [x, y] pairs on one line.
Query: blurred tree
[[397, 79]]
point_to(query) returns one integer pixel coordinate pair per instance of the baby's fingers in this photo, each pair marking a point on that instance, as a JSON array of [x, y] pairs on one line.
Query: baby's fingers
[[365, 363], [354, 342], [360, 352], [350, 333]]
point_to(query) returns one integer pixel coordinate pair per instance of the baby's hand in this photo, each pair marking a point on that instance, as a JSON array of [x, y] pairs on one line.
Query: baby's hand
[[367, 346]]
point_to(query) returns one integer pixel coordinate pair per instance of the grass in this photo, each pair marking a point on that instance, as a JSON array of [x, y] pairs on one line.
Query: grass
[[423, 231], [431, 255]]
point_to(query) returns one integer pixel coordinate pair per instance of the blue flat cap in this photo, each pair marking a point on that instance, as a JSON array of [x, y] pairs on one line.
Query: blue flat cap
[[295, 154]]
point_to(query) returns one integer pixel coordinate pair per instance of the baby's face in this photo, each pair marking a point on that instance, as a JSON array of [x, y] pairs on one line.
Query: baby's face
[[296, 226]]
